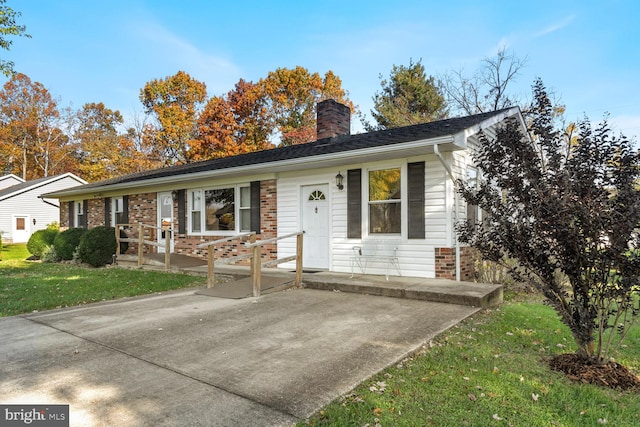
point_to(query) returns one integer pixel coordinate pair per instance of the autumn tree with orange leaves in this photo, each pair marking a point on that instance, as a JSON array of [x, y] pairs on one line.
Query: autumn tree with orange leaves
[[236, 123], [292, 96], [175, 103], [101, 150], [33, 143]]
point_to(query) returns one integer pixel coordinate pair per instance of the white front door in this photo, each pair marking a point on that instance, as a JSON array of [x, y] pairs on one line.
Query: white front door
[[20, 229], [165, 221], [315, 223]]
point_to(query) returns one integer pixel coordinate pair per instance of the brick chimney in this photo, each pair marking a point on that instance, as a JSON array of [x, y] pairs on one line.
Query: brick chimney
[[333, 119]]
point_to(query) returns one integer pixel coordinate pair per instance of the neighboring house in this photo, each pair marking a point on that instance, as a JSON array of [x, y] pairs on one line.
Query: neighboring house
[[394, 187], [9, 180], [23, 210]]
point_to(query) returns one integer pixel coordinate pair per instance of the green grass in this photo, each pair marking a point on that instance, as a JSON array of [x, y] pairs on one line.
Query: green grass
[[489, 370], [27, 286]]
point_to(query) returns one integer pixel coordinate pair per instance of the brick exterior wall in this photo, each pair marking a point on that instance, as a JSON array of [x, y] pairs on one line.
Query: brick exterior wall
[[95, 213], [144, 208], [64, 215], [446, 263]]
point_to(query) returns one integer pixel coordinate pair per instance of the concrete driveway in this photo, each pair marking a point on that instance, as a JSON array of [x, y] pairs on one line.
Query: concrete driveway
[[185, 359]]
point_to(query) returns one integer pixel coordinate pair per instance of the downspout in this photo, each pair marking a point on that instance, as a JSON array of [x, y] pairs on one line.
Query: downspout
[[456, 202]]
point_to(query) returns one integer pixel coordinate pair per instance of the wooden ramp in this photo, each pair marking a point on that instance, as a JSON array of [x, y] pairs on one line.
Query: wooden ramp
[[243, 288]]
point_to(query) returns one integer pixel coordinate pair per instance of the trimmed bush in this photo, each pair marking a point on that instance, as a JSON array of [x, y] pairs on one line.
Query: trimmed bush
[[50, 255], [67, 241], [97, 246], [41, 240]]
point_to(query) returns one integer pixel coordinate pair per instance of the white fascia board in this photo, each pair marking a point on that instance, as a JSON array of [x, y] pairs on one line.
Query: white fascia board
[[461, 137], [300, 163]]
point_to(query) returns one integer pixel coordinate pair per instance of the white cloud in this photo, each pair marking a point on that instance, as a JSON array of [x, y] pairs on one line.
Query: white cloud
[[555, 27], [217, 71]]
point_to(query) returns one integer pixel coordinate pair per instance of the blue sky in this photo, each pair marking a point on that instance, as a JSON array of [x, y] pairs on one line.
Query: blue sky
[[587, 52]]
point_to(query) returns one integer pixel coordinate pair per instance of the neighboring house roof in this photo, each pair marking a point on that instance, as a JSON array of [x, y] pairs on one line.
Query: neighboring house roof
[[9, 180], [11, 176], [25, 186], [340, 150]]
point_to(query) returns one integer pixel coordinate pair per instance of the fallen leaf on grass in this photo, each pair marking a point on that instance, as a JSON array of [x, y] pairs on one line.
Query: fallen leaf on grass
[[472, 397], [535, 397], [497, 418]]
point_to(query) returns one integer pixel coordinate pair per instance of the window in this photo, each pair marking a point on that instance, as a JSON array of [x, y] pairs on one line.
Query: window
[[196, 214], [385, 201], [79, 214], [220, 211], [21, 224], [472, 210], [118, 209], [317, 195], [245, 209]]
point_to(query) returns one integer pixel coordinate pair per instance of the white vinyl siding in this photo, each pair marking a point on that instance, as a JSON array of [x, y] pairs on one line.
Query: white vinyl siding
[[28, 203], [416, 256]]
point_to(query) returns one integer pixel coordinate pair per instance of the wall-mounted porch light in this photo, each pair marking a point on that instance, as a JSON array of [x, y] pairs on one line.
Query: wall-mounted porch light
[[339, 179]]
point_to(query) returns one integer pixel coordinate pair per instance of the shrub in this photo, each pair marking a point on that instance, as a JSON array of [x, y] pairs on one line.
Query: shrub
[[566, 207], [50, 255], [66, 242], [40, 240], [97, 246]]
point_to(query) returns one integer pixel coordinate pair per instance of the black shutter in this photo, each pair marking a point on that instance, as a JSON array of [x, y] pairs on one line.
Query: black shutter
[[107, 212], [125, 209], [182, 210], [71, 214], [85, 216], [415, 172], [255, 206], [354, 203]]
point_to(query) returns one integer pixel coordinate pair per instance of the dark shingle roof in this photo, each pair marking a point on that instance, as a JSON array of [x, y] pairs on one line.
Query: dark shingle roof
[[316, 148]]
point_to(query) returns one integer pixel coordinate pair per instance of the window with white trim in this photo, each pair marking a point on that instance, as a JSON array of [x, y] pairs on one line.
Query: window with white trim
[[473, 212], [78, 208], [385, 201], [117, 211], [220, 211]]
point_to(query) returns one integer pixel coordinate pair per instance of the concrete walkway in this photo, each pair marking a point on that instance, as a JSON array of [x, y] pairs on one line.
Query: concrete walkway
[[184, 359]]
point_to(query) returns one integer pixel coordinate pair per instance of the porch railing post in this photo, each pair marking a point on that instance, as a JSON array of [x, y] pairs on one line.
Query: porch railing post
[[298, 259], [167, 250], [117, 239], [210, 262], [256, 265], [140, 244], [252, 239]]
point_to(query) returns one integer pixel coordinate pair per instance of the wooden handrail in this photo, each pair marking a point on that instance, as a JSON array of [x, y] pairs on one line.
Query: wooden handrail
[[256, 262], [254, 246], [141, 242], [211, 253], [275, 239], [226, 239]]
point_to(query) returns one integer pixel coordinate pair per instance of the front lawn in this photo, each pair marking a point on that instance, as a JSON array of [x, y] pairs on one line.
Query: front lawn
[[489, 370], [27, 286]]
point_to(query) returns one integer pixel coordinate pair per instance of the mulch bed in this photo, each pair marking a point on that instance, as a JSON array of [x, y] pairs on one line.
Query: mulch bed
[[610, 374]]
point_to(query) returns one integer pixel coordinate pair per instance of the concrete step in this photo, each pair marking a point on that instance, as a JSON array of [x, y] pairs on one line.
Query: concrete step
[[435, 290]]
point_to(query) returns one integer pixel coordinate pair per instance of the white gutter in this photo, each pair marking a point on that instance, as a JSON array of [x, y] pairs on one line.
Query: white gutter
[[455, 206]]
